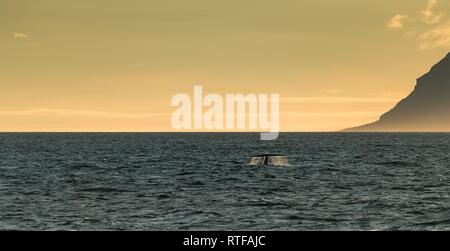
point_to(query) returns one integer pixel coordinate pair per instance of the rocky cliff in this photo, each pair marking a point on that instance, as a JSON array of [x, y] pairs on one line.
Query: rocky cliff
[[426, 109]]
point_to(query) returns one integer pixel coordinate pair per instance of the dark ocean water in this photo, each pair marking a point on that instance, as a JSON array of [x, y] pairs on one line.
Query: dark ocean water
[[336, 181]]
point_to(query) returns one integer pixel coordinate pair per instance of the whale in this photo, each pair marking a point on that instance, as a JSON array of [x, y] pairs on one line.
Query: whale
[[269, 160]]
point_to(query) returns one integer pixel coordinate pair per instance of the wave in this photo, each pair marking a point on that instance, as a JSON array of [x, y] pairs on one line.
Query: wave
[[103, 190]]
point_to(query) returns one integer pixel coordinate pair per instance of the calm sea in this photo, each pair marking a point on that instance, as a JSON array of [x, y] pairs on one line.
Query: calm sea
[[335, 181]]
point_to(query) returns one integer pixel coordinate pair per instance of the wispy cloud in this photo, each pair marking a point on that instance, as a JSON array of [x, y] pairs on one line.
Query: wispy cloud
[[20, 35], [318, 115], [438, 37], [79, 113], [429, 26], [333, 91], [428, 15], [336, 100], [66, 120], [396, 22]]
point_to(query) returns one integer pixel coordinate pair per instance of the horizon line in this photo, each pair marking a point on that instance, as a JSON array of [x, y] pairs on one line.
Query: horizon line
[[211, 132]]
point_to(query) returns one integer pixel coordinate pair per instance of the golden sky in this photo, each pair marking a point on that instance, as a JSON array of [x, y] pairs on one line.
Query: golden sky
[[103, 65]]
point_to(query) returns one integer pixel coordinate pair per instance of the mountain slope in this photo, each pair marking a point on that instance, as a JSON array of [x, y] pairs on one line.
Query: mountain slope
[[426, 109]]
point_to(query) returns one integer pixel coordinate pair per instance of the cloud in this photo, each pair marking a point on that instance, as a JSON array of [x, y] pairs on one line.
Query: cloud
[[438, 37], [317, 115], [80, 113], [20, 35], [337, 100], [66, 120], [396, 22], [428, 15], [431, 28], [333, 91]]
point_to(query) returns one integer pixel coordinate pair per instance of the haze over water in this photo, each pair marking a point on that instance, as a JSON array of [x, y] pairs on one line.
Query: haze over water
[[336, 181]]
